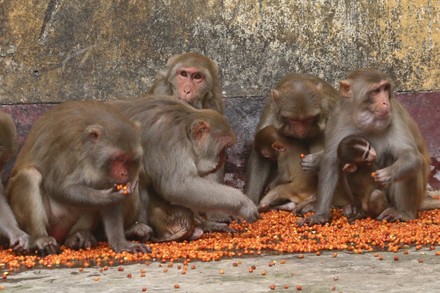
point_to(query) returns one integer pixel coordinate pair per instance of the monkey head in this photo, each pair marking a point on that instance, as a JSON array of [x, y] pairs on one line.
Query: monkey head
[[192, 77], [355, 152], [268, 143], [298, 108], [370, 92], [211, 135], [115, 151]]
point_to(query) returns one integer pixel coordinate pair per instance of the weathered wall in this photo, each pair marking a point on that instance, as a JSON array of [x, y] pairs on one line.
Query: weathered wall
[[57, 50], [54, 50]]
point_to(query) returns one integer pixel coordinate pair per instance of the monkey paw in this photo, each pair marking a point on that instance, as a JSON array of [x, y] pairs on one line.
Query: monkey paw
[[310, 163], [314, 220], [132, 247], [80, 239], [20, 242], [210, 226], [305, 206], [392, 215], [46, 245], [382, 176]]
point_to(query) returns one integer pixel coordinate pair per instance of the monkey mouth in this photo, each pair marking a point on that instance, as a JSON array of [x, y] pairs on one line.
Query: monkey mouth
[[382, 114]]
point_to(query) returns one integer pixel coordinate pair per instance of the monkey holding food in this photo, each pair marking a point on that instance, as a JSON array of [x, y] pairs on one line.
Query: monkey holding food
[[290, 185], [298, 107], [366, 197], [72, 158], [369, 108], [183, 146]]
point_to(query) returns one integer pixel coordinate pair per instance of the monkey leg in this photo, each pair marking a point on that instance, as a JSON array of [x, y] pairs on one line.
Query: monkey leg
[[406, 197], [24, 192], [377, 203], [80, 235], [18, 240], [282, 197], [352, 212], [113, 220]]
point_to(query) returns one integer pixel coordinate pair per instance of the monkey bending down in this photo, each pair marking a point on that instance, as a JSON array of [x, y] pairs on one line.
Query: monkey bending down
[[182, 147], [297, 107], [289, 183], [71, 160]]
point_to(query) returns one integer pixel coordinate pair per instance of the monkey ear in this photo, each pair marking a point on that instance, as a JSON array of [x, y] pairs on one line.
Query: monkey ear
[[94, 132], [349, 168], [345, 89], [279, 147], [199, 129], [275, 95]]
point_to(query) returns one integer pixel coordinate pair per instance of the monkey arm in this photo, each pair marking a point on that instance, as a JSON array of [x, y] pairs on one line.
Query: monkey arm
[[257, 175], [82, 195], [408, 163], [328, 180], [204, 195]]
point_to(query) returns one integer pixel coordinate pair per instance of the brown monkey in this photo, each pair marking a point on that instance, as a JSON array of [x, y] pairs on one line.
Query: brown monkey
[[297, 107], [72, 158], [369, 109], [291, 185], [182, 147], [194, 78], [171, 222], [18, 240], [357, 160], [191, 77]]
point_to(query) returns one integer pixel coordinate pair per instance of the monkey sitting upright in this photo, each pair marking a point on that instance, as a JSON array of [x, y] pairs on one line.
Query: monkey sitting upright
[[289, 184], [367, 198]]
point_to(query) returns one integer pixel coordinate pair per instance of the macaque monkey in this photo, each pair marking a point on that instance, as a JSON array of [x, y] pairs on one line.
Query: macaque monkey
[[369, 109], [193, 78], [71, 162], [357, 160], [171, 222], [291, 185], [182, 147], [297, 107], [18, 240]]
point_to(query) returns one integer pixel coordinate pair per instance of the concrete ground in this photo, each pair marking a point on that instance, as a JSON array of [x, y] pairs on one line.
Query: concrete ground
[[406, 271]]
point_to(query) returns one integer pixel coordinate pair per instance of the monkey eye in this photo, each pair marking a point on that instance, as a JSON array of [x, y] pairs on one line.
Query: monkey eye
[[183, 73], [197, 75]]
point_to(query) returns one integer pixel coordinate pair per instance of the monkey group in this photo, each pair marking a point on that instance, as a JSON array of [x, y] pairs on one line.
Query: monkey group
[[151, 168]]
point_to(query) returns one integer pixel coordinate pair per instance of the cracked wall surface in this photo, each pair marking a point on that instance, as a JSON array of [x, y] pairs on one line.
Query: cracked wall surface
[[56, 50]]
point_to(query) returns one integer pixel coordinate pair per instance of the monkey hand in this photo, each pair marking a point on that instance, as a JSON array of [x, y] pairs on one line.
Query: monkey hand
[[315, 219], [392, 215], [249, 211], [126, 189], [82, 239], [383, 176], [46, 245], [132, 247], [20, 242], [310, 163]]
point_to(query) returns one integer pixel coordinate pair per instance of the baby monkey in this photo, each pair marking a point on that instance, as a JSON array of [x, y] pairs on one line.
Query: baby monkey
[[289, 185], [367, 198]]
